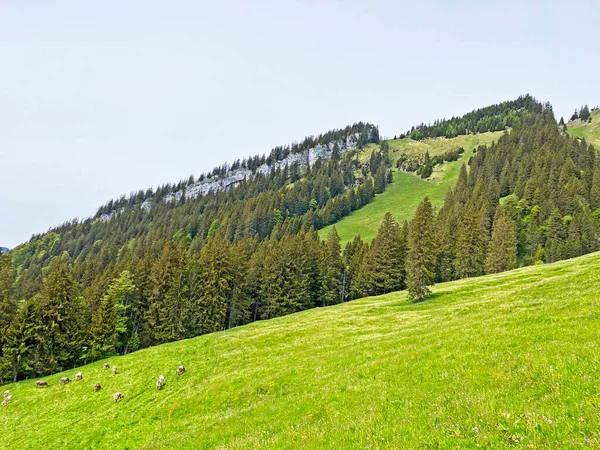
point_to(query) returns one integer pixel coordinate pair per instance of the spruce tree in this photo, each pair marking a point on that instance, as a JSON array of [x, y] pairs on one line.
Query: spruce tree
[[421, 259], [471, 245], [18, 341], [103, 329], [502, 251], [58, 332], [332, 268]]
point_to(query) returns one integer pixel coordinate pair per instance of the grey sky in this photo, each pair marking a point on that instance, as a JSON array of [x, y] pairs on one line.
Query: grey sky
[[98, 99]]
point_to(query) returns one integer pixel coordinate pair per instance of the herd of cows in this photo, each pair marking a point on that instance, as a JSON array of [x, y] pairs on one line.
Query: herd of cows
[[160, 382]]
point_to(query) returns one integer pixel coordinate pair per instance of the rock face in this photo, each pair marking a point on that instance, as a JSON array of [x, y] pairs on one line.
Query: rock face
[[304, 159], [231, 178]]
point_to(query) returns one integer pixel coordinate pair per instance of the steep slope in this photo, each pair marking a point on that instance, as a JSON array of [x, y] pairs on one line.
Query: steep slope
[[402, 197], [496, 361], [588, 130]]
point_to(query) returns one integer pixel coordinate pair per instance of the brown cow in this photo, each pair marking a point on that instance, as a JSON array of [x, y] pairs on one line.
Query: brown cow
[[97, 387], [106, 366], [64, 380], [41, 383], [78, 376], [180, 370], [117, 396], [160, 382]]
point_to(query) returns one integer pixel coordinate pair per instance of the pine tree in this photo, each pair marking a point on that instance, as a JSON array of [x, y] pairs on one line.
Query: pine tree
[[58, 330], [471, 245], [163, 318], [384, 262], [8, 306], [502, 251], [18, 340], [216, 275], [124, 296], [103, 329], [427, 168], [332, 268], [420, 264]]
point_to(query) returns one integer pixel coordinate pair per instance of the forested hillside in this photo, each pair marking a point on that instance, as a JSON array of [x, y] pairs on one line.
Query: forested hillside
[[491, 118], [186, 266], [408, 188]]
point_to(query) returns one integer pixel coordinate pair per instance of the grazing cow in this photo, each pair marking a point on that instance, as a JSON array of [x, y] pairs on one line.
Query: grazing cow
[[114, 370], [7, 398], [160, 382], [117, 396], [180, 370], [64, 380], [79, 376], [41, 383], [97, 387], [106, 366]]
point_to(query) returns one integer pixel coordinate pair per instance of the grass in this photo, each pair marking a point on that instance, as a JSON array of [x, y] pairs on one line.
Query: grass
[[589, 131], [407, 190], [502, 361]]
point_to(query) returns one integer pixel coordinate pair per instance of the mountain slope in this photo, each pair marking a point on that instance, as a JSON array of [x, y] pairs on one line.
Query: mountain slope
[[500, 360], [402, 197], [589, 131]]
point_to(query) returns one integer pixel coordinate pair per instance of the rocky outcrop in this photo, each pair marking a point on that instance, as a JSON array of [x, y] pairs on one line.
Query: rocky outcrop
[[304, 159], [231, 178]]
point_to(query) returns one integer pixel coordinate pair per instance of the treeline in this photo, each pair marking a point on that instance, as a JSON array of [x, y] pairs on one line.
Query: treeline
[[584, 114], [326, 192], [423, 166], [358, 135], [491, 118]]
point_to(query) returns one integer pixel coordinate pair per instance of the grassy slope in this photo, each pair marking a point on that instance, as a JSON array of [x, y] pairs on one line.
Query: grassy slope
[[589, 131], [407, 191], [510, 359]]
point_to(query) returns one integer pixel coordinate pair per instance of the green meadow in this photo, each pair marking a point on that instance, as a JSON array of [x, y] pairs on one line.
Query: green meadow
[[402, 197], [502, 361], [589, 131]]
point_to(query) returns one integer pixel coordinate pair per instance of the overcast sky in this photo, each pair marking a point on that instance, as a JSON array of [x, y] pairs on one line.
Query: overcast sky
[[101, 98]]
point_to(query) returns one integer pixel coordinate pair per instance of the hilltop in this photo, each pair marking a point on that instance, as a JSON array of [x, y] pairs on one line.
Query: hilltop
[[496, 361]]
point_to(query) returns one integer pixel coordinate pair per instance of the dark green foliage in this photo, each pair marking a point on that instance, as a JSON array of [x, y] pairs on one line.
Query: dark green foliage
[[491, 118], [502, 252], [421, 260], [584, 113], [382, 268]]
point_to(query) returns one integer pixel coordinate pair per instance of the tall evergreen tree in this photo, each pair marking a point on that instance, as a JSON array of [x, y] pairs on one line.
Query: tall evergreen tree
[[58, 331], [502, 251], [332, 269], [421, 259]]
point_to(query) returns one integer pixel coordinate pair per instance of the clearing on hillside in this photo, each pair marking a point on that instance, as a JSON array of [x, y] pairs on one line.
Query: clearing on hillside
[[497, 361], [587, 130], [402, 197]]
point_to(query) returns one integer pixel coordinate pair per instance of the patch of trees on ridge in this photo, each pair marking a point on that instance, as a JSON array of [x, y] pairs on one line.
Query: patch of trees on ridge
[[584, 114], [359, 133], [491, 118], [423, 166]]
